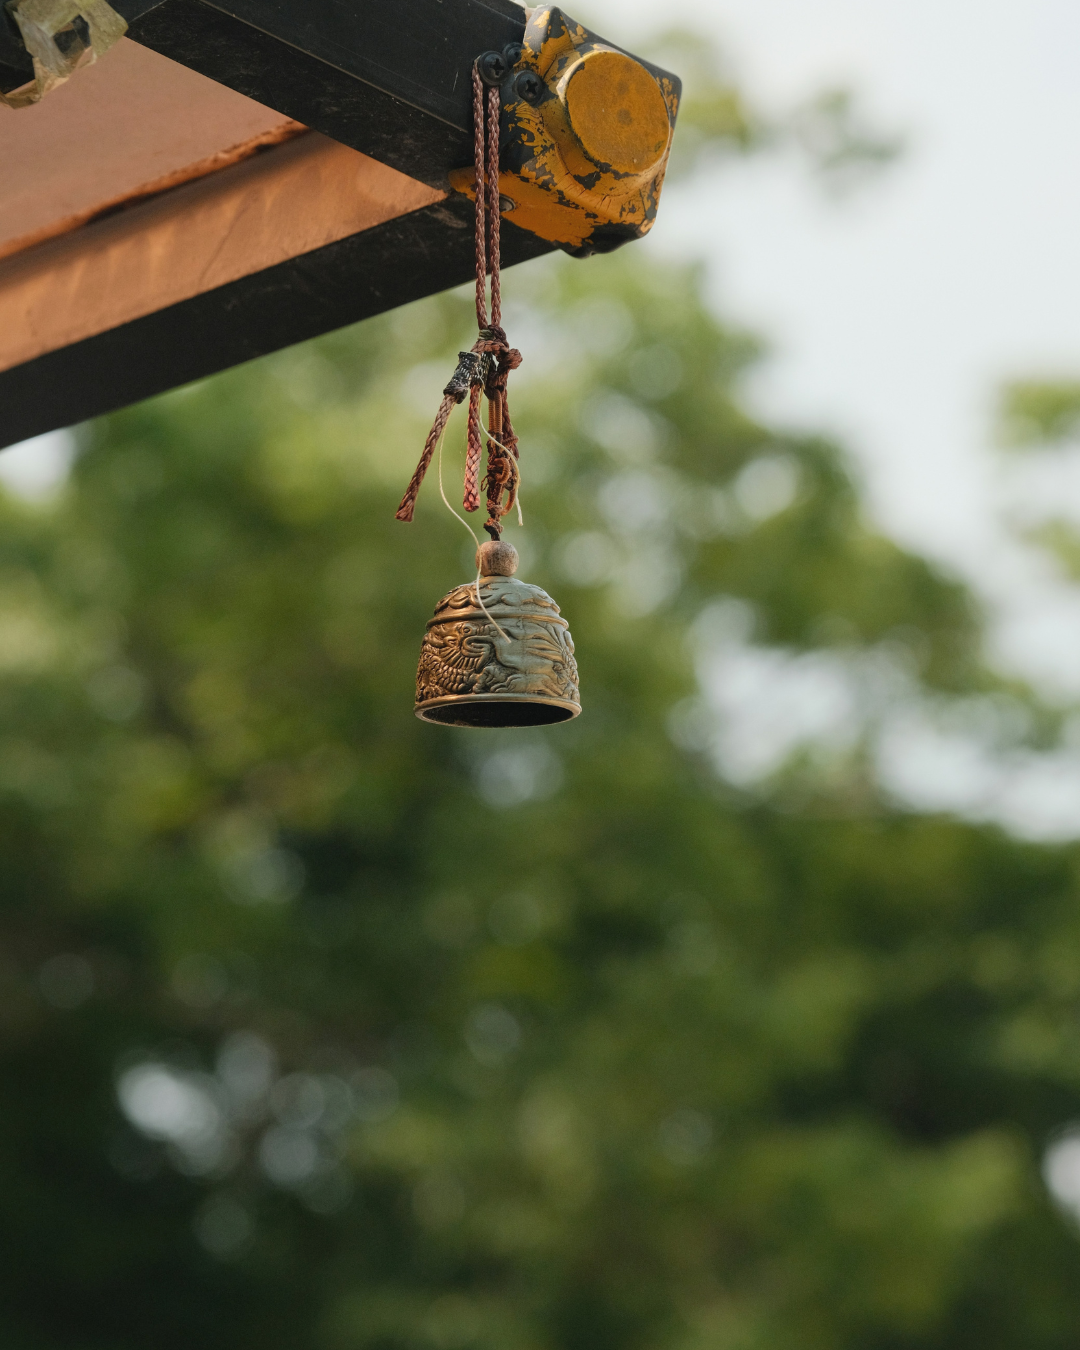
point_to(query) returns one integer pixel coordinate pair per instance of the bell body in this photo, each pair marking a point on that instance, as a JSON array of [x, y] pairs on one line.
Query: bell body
[[474, 675]]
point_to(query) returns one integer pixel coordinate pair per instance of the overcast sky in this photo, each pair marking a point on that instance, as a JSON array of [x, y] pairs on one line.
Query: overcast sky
[[895, 316]]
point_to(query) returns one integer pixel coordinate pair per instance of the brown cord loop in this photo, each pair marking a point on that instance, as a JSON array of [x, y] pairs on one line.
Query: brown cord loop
[[486, 368]]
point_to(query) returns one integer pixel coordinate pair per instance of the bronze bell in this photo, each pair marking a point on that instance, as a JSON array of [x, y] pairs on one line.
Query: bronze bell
[[507, 661]]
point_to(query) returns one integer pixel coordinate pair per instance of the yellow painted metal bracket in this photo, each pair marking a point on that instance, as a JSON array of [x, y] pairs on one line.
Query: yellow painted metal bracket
[[586, 133], [61, 36]]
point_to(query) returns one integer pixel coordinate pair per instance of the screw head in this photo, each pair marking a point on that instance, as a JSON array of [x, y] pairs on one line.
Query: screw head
[[529, 86], [512, 53], [493, 68]]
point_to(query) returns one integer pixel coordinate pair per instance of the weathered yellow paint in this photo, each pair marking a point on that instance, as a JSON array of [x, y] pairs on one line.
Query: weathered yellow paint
[[584, 166], [616, 110]]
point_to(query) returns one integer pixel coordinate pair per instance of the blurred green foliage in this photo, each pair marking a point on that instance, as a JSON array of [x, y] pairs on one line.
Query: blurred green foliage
[[1037, 412], [1041, 418], [844, 146], [324, 1029]]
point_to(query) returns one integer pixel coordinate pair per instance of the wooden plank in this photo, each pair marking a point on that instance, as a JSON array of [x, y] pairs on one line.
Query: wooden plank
[[62, 163], [403, 259], [297, 198]]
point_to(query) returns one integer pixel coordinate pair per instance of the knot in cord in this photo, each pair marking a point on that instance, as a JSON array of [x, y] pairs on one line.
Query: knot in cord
[[484, 369]]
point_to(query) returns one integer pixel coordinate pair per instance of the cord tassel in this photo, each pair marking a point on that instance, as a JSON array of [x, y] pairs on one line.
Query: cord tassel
[[408, 502], [484, 369], [471, 500]]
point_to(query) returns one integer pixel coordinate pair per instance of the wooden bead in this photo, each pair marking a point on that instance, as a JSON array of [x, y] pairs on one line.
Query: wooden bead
[[497, 559]]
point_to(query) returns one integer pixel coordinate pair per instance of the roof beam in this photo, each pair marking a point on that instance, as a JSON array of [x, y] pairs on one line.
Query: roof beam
[[238, 175]]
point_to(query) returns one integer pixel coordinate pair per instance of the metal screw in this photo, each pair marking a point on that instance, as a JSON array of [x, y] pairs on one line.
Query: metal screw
[[493, 68], [529, 86], [512, 53]]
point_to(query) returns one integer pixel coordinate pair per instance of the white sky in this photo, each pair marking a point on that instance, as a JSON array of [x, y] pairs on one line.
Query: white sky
[[894, 317]]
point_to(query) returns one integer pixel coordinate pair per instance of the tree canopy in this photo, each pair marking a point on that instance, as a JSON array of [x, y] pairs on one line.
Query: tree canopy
[[325, 1029]]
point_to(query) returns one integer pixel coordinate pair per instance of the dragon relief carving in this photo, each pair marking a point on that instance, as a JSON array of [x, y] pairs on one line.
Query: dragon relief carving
[[468, 655]]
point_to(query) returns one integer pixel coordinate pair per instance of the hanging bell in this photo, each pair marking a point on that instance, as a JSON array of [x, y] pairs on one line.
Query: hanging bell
[[497, 653]]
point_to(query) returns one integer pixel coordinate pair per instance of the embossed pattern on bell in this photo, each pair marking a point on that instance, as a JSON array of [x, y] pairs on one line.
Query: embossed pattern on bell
[[472, 674]]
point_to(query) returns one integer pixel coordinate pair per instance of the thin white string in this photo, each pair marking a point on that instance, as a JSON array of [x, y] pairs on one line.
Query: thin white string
[[476, 541]]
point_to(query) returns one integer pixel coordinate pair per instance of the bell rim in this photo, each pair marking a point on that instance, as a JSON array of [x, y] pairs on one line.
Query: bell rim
[[461, 700]]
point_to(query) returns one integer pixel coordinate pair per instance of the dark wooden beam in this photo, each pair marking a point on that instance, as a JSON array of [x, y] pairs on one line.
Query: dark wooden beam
[[389, 79], [360, 276]]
